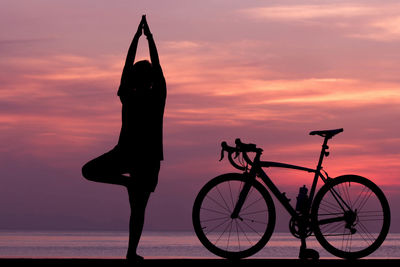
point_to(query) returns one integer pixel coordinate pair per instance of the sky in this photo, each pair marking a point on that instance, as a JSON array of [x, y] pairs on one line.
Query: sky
[[268, 72]]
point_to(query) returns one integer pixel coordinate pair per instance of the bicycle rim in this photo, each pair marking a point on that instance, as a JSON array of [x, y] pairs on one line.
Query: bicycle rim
[[351, 217], [233, 238]]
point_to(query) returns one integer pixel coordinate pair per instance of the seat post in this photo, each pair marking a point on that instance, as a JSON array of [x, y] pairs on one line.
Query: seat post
[[319, 166]]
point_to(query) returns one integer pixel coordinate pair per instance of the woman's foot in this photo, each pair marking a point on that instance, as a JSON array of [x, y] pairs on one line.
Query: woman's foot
[[134, 258]]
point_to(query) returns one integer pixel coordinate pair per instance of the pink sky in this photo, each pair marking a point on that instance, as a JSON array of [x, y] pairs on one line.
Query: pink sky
[[265, 71]]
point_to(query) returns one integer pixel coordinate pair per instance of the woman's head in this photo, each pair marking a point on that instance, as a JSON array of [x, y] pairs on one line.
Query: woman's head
[[142, 75]]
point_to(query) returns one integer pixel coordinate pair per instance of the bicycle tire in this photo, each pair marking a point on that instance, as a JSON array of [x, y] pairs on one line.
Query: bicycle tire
[[361, 234], [215, 203]]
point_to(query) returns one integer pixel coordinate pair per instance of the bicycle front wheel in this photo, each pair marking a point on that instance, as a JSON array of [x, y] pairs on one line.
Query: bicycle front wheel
[[233, 237], [351, 217]]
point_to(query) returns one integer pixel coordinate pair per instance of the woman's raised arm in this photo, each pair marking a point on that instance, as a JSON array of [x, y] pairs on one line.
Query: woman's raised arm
[[130, 57], [152, 46], [159, 79]]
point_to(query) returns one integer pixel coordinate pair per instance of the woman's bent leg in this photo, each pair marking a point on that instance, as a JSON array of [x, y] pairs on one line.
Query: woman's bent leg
[[108, 168]]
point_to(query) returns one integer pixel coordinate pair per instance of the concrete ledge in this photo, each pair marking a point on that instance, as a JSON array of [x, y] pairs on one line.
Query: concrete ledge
[[198, 262]]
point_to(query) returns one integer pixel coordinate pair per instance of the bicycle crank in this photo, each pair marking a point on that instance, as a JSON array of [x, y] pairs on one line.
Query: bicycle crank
[[295, 227]]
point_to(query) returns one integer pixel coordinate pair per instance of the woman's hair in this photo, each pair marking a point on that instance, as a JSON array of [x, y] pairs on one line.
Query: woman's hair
[[142, 67], [142, 74]]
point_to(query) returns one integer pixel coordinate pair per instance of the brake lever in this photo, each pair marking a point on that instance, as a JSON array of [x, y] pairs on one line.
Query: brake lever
[[222, 154], [223, 144]]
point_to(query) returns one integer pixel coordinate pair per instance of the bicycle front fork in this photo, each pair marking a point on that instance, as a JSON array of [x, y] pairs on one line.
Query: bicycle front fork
[[242, 197], [240, 202]]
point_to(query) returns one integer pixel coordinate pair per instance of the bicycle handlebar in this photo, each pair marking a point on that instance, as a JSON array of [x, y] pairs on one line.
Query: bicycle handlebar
[[240, 148], [247, 147]]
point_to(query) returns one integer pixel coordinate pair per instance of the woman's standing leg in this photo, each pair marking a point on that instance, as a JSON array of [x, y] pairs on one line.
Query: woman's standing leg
[[138, 200], [143, 183]]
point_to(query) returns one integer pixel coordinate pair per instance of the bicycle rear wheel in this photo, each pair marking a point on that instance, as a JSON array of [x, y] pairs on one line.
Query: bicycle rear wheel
[[233, 237], [351, 217]]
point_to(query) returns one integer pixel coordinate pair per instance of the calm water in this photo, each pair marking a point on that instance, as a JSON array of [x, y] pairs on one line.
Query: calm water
[[24, 244]]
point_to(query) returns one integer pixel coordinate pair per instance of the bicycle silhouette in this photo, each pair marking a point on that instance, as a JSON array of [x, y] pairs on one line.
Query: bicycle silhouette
[[234, 214]]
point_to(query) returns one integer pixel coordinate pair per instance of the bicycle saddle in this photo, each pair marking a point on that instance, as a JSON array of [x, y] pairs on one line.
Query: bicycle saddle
[[327, 133]]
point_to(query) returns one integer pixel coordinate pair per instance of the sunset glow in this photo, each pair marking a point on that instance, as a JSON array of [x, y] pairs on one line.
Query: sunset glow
[[268, 72]]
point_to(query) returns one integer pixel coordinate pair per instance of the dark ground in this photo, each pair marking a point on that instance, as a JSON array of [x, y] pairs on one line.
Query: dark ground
[[198, 262]]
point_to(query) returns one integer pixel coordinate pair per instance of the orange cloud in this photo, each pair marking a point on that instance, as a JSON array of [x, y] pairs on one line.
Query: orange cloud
[[306, 12]]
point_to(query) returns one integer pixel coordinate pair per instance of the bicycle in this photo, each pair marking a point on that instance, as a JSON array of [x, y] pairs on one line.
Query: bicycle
[[234, 214]]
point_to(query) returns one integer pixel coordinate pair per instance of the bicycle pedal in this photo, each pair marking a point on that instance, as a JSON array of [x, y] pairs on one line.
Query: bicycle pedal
[[308, 254]]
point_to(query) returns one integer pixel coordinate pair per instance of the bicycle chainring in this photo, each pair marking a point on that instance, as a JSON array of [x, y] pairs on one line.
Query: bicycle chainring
[[295, 229]]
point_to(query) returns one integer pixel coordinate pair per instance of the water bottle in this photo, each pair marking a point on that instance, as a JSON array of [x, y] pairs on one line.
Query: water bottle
[[302, 199]]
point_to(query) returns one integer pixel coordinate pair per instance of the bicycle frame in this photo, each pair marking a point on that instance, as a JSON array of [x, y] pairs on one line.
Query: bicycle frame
[[277, 193], [257, 170]]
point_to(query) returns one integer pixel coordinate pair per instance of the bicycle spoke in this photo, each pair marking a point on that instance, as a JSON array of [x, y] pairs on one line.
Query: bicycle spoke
[[328, 207], [244, 233], [345, 194], [254, 212], [368, 235], [365, 238], [218, 204], [230, 194], [223, 232], [217, 226], [349, 237], [253, 221], [229, 236], [215, 211], [252, 203], [237, 232], [365, 200], [332, 228], [346, 239], [330, 214], [360, 195], [254, 230], [214, 219], [223, 199], [370, 216]]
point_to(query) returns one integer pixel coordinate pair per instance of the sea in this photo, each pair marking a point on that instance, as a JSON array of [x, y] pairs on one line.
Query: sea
[[153, 245]]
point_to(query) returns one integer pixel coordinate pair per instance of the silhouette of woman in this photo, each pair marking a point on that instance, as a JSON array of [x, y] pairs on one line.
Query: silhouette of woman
[[140, 149]]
